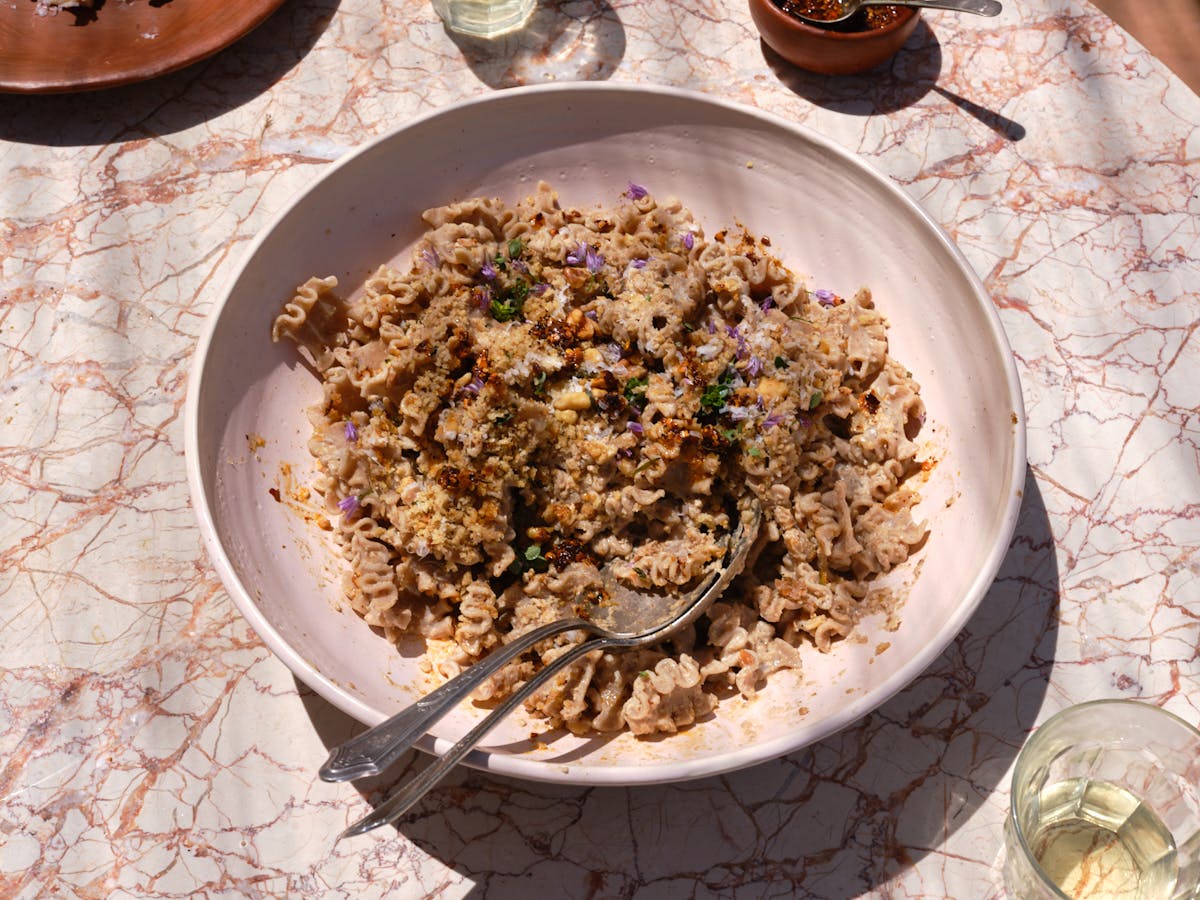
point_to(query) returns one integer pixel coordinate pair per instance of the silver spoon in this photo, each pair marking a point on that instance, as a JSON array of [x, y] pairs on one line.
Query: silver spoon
[[850, 7], [626, 619]]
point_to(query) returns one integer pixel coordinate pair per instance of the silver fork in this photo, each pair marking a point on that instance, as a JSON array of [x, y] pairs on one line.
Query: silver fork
[[625, 619]]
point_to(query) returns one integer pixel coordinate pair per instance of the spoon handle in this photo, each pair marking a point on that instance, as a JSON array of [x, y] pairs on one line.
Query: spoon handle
[[377, 748], [400, 802], [978, 7]]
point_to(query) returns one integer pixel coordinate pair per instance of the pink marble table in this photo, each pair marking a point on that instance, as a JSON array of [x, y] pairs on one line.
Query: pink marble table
[[150, 746]]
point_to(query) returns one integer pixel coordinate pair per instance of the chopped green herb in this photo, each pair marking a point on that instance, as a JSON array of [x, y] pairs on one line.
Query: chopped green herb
[[530, 558], [503, 418], [503, 311], [645, 465], [635, 390], [641, 573], [714, 396], [645, 673], [815, 400], [731, 434], [689, 327], [511, 301], [781, 363], [515, 246], [539, 384], [755, 451], [518, 290]]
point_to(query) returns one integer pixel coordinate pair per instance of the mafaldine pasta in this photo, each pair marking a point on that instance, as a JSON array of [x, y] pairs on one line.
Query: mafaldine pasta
[[546, 391]]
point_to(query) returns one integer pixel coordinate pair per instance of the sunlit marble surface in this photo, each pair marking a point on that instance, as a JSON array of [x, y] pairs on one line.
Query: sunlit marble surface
[[151, 747]]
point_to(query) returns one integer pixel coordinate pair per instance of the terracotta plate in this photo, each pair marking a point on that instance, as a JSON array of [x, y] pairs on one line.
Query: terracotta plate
[[118, 43]]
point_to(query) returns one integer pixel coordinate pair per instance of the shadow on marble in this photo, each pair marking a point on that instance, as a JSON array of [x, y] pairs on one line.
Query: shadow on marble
[[901, 82], [836, 819], [561, 42], [893, 85], [177, 100], [1002, 125]]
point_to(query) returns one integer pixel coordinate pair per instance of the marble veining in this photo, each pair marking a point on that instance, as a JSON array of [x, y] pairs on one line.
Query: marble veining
[[151, 747]]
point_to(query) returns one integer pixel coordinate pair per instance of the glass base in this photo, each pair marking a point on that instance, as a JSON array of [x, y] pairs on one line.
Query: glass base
[[484, 18]]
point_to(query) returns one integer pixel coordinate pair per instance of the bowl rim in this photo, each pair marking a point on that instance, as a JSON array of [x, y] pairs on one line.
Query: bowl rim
[[549, 770], [848, 37]]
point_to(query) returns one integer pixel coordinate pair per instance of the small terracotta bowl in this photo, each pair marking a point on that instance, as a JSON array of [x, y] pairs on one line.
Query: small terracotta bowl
[[830, 52]]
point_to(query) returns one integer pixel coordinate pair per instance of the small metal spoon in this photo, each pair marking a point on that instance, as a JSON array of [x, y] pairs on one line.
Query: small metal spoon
[[626, 619], [850, 7]]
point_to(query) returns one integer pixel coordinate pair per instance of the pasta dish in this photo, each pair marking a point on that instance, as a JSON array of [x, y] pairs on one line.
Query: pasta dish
[[544, 391]]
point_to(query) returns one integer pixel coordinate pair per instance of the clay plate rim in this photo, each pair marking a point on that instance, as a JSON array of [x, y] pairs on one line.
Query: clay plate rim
[[60, 53]]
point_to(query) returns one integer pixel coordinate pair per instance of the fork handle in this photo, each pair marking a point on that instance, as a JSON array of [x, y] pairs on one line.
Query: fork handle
[[399, 803], [377, 748]]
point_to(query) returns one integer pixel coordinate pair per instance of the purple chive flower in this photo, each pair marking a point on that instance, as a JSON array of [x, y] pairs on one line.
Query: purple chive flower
[[768, 303], [753, 367], [540, 288], [635, 427], [488, 271], [689, 240], [635, 191], [737, 413], [611, 351], [483, 296], [351, 431], [772, 420], [430, 257], [824, 297], [474, 386], [804, 421], [638, 263], [711, 327], [348, 505], [625, 453], [593, 260], [742, 350], [521, 266], [578, 255], [591, 314]]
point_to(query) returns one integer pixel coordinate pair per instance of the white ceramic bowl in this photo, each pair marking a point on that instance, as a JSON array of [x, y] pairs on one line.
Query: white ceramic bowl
[[828, 215]]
